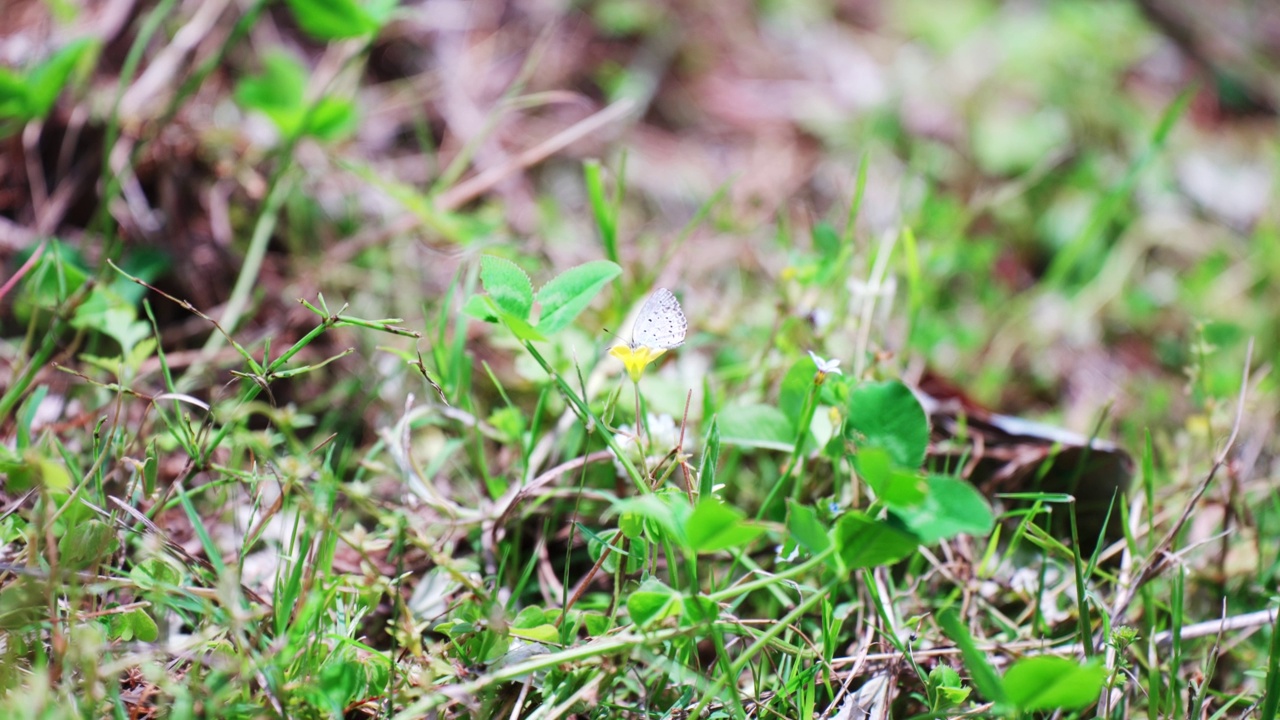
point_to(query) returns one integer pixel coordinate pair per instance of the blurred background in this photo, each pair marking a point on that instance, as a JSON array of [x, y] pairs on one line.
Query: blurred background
[[1088, 184]]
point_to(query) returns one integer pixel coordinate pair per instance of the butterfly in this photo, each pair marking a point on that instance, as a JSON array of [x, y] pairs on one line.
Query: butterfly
[[660, 326]]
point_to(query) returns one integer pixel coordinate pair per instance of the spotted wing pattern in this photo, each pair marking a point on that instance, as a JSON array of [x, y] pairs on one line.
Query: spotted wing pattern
[[661, 324]]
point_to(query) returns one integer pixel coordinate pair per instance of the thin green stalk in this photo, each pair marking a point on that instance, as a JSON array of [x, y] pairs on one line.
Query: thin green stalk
[[605, 211], [860, 187], [642, 430], [1176, 607], [1154, 694], [1271, 696], [1082, 600]]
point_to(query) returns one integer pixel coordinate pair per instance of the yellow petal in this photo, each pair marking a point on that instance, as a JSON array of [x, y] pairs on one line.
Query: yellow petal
[[635, 360]]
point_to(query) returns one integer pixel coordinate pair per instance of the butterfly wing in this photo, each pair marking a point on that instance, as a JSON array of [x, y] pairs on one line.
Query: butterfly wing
[[661, 324]]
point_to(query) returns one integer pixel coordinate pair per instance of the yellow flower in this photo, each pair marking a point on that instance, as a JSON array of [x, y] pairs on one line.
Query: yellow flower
[[636, 360]]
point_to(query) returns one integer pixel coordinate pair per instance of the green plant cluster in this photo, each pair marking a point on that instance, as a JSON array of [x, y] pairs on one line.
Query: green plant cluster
[[510, 539]]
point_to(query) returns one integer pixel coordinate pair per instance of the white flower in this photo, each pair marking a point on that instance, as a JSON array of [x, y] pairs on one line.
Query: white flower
[[825, 367]]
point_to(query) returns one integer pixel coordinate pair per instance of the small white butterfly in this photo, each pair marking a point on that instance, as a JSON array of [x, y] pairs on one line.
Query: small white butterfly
[[660, 326]]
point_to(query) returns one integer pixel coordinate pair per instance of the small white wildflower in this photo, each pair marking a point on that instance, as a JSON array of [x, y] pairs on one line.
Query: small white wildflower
[[825, 367]]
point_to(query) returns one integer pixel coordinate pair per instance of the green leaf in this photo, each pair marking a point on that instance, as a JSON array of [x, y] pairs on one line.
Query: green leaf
[[58, 273], [826, 240], [14, 98], [887, 415], [136, 624], [332, 119], [597, 624], [521, 328], [377, 675], [804, 526], [108, 313], [710, 458], [52, 474], [279, 92], [605, 210], [46, 81], [508, 285], [545, 633], [154, 572], [150, 470], [22, 603], [795, 388], [667, 512], [332, 19], [633, 552], [532, 623], [631, 525], [86, 544], [142, 351], [759, 426], [531, 616], [10, 463], [947, 689], [716, 526], [949, 697], [454, 628], [944, 676], [863, 541], [25, 420], [569, 293], [73, 513], [951, 507], [653, 602], [896, 488], [508, 421], [1048, 682], [699, 609], [340, 680], [481, 307], [31, 95]]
